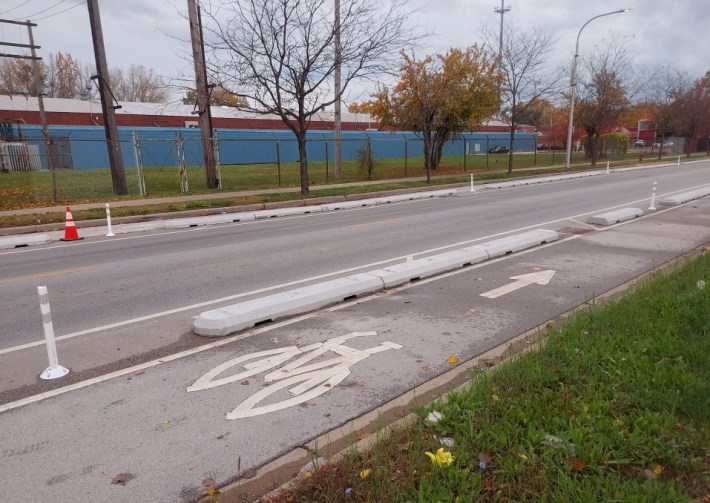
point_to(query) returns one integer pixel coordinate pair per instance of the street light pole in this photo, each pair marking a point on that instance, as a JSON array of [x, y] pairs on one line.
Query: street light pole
[[573, 84]]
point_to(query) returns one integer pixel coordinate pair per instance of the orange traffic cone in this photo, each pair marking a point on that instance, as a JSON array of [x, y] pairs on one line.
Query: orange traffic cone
[[70, 232]]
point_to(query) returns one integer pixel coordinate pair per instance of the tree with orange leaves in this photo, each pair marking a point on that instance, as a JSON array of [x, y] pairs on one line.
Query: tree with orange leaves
[[440, 96]]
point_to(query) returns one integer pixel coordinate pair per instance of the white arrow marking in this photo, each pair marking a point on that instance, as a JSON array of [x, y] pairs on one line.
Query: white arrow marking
[[539, 278]]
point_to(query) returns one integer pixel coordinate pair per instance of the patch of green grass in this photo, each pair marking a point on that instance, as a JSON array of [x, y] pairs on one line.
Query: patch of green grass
[[614, 406]]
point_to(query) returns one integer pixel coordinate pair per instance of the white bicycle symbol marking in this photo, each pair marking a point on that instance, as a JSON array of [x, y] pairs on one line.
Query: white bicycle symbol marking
[[308, 380]]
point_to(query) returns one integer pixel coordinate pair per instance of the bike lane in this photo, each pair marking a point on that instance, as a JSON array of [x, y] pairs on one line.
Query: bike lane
[[221, 413]]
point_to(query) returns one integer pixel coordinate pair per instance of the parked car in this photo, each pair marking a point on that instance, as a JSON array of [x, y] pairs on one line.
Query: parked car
[[499, 149], [543, 146], [639, 143], [665, 144]]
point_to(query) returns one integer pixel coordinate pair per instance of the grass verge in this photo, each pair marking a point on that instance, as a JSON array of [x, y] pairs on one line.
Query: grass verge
[[614, 406]]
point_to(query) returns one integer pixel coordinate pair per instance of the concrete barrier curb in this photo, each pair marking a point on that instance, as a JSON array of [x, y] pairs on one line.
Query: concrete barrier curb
[[227, 218], [684, 197], [518, 242], [405, 272], [348, 204], [236, 317], [616, 216], [24, 240], [230, 319]]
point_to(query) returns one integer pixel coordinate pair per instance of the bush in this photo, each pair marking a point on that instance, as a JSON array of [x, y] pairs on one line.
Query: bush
[[365, 160]]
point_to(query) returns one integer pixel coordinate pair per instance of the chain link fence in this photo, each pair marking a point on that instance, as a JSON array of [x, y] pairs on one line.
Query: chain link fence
[[62, 169]]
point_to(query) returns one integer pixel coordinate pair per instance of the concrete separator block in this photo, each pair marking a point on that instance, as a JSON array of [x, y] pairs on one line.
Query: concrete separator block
[[439, 193], [344, 205], [230, 319], [284, 212], [24, 240], [518, 242], [398, 198], [226, 218], [405, 272], [616, 216], [684, 197]]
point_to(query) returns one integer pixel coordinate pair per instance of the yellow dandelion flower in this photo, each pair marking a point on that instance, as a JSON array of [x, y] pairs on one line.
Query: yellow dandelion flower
[[657, 469], [441, 459], [365, 473]]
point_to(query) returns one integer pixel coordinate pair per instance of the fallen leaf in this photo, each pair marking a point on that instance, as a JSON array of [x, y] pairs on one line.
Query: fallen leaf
[[577, 463], [362, 435], [488, 485], [208, 482], [121, 478], [244, 383], [212, 491], [453, 359], [165, 422], [522, 456], [425, 368], [220, 437]]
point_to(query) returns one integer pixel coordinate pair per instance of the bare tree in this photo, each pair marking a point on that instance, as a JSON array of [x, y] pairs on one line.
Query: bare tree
[[63, 76], [17, 77], [527, 75], [279, 55], [664, 92], [138, 83], [607, 83]]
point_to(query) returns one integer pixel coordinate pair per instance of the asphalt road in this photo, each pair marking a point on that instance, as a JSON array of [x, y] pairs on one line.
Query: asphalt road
[[98, 282], [214, 412]]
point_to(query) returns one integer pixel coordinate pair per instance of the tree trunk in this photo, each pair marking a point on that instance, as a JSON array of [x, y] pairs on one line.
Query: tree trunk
[[510, 148], [303, 161], [592, 144], [427, 155]]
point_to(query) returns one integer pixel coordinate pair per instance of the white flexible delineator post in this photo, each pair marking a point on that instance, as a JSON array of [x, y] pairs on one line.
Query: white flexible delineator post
[[472, 189], [54, 370], [653, 198], [110, 232], [607, 167]]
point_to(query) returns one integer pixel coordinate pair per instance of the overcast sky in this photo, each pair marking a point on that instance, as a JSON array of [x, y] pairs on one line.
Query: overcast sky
[[675, 32]]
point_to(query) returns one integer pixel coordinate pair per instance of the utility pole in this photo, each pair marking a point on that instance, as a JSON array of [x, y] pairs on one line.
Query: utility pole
[[118, 174], [203, 111], [42, 113], [38, 88], [502, 11], [338, 90]]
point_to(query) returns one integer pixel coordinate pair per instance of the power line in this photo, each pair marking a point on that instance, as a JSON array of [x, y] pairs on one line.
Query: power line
[[61, 11], [43, 10], [15, 7]]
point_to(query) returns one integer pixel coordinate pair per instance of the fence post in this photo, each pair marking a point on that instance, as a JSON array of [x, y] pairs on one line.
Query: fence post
[[184, 186], [139, 163], [406, 154], [326, 158], [217, 165], [465, 151], [278, 160]]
